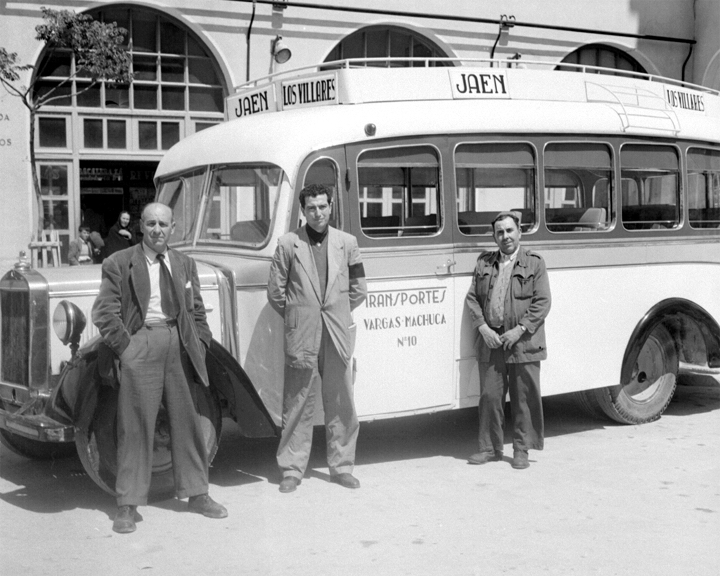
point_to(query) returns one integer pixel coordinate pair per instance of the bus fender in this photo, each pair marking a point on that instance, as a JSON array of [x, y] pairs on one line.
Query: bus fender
[[244, 404]]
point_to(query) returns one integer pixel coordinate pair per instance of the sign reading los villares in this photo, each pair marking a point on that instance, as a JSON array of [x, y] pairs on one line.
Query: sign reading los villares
[[684, 99]]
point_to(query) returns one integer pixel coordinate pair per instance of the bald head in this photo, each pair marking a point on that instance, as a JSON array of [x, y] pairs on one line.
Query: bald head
[[157, 225]]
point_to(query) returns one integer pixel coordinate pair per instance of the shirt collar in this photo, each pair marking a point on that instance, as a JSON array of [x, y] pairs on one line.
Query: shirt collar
[[508, 257], [150, 254]]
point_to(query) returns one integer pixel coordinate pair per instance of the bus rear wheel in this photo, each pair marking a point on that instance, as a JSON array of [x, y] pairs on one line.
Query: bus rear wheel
[[97, 443], [646, 395]]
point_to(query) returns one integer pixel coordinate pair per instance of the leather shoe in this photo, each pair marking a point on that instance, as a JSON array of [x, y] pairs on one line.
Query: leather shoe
[[206, 506], [520, 460], [289, 484], [124, 522], [485, 457], [346, 480]]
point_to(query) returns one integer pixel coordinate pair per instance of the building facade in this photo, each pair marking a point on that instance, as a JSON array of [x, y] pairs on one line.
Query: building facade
[[97, 152]]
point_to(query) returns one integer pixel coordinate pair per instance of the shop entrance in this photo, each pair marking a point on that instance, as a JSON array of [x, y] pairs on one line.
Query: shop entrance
[[108, 188]]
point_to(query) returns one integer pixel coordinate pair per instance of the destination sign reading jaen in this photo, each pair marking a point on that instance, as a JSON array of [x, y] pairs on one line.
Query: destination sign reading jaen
[[249, 103], [315, 91], [467, 84]]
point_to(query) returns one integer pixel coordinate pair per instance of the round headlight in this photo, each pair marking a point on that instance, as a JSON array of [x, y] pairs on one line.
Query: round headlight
[[68, 322]]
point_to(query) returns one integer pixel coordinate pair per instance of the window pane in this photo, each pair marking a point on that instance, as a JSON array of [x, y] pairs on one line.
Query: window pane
[[93, 133], [201, 71], [577, 187], [147, 135], [399, 196], [704, 188], [145, 97], [172, 39], [56, 63], [650, 187], [116, 134], [52, 90], [53, 180], [117, 96], [206, 100], [199, 126], [377, 45], [494, 178], [182, 194], [52, 132], [120, 16], [144, 68], [55, 214], [194, 47], [173, 98], [354, 46], [172, 69], [88, 97], [241, 204], [170, 134], [143, 32]]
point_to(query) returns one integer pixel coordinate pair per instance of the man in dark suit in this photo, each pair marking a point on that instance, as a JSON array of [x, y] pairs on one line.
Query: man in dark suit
[[316, 280], [151, 316]]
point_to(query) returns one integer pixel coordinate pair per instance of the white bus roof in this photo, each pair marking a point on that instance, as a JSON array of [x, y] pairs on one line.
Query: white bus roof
[[283, 118]]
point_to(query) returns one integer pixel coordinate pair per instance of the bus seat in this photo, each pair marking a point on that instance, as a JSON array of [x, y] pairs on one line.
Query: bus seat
[[420, 225], [475, 222], [592, 219], [381, 225], [252, 231]]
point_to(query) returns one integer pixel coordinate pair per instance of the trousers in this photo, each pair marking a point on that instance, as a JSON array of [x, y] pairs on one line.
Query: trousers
[[154, 368], [334, 378], [522, 380]]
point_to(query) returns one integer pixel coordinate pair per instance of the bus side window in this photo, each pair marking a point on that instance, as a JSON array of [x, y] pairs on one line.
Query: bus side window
[[578, 179], [399, 192], [704, 187], [325, 172], [492, 178], [652, 200]]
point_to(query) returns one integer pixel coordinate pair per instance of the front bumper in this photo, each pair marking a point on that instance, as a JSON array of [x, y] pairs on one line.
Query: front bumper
[[32, 421]]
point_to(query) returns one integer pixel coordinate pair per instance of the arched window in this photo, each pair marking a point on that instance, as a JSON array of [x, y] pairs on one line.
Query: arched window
[[601, 55], [171, 69], [387, 42]]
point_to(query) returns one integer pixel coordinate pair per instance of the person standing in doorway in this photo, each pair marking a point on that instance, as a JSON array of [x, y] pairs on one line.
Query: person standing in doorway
[[316, 280], [509, 299], [120, 236]]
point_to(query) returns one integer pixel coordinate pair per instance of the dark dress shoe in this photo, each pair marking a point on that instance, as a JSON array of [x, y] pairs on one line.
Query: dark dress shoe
[[520, 460], [485, 457], [346, 480], [206, 506], [289, 484], [124, 522]]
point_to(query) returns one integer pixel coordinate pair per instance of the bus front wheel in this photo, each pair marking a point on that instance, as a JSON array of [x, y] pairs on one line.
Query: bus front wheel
[[96, 440], [650, 387]]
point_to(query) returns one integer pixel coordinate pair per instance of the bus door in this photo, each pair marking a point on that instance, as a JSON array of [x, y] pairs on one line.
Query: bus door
[[404, 354], [487, 177]]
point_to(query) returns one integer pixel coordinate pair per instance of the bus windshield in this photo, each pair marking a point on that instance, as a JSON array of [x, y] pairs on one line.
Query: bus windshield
[[240, 205]]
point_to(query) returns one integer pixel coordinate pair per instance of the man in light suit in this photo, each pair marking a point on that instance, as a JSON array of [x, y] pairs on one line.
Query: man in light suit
[[151, 317], [316, 281]]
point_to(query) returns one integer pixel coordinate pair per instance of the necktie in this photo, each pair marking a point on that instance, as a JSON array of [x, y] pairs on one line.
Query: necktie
[[168, 296]]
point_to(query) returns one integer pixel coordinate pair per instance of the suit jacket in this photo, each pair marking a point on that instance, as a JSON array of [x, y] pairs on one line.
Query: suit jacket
[[294, 292], [120, 308], [527, 302]]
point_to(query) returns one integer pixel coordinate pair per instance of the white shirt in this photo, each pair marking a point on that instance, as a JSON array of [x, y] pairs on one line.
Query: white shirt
[[154, 311]]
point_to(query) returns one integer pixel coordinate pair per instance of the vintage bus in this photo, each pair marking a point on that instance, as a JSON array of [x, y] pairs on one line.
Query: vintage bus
[[616, 176]]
